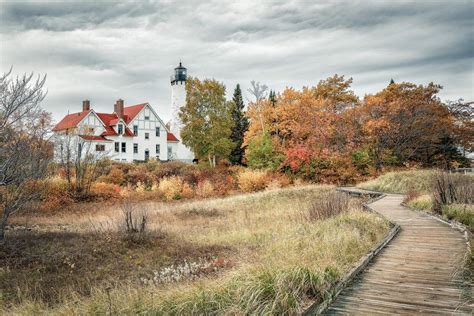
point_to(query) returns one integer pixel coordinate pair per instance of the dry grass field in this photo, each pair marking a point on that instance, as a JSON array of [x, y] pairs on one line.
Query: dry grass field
[[268, 252]]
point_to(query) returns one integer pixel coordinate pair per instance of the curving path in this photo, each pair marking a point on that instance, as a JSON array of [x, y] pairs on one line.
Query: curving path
[[418, 272]]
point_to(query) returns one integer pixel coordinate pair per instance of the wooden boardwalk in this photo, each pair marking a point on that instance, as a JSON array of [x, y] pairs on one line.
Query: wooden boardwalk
[[419, 272]]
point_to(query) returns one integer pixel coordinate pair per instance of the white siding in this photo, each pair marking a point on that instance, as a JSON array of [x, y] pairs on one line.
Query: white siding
[[91, 121], [148, 126]]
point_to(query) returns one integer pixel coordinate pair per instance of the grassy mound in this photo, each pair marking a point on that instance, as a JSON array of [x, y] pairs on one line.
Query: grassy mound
[[401, 182]]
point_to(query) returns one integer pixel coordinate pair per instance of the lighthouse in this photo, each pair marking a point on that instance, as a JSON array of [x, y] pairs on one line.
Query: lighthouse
[[178, 99]]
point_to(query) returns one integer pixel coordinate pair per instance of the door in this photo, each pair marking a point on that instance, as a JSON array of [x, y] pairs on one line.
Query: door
[[147, 154]]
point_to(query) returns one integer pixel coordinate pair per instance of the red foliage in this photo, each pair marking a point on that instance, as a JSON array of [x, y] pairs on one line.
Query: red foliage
[[297, 156]]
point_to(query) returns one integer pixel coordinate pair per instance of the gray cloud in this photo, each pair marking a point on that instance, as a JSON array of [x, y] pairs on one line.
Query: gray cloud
[[128, 49]]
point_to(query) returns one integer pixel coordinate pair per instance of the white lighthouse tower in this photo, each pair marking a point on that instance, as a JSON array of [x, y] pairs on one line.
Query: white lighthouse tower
[[178, 99]]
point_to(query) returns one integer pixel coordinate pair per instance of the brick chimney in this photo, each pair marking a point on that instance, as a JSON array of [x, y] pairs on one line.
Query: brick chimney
[[118, 108], [86, 105]]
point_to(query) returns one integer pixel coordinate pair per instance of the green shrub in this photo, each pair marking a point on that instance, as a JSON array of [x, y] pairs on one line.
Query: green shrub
[[463, 213], [261, 154]]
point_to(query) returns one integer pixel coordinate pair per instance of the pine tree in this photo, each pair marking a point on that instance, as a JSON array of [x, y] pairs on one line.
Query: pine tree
[[272, 97], [240, 127], [391, 82]]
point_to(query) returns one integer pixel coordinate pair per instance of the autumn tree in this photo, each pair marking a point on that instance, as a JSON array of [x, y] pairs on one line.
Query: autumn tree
[[25, 150], [463, 130], [240, 127], [404, 122], [314, 125], [335, 91], [207, 120]]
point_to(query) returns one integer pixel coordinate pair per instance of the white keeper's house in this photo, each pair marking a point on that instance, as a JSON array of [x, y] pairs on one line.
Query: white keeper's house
[[135, 132]]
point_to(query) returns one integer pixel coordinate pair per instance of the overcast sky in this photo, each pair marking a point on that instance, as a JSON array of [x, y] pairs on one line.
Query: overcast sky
[[109, 50]]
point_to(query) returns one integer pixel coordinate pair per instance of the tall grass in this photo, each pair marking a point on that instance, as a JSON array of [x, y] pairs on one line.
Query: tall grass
[[450, 189], [327, 205]]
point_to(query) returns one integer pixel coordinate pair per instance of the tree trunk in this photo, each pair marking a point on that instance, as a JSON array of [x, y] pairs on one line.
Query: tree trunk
[[3, 225], [214, 161]]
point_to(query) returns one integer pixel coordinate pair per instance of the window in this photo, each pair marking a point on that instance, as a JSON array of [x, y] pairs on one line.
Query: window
[[170, 152], [120, 129], [157, 131], [99, 147], [135, 148], [147, 135], [90, 130], [135, 130], [124, 147], [117, 147], [147, 117], [157, 148]]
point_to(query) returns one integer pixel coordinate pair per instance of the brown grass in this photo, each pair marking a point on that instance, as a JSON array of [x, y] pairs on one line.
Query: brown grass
[[451, 189], [47, 266], [327, 205]]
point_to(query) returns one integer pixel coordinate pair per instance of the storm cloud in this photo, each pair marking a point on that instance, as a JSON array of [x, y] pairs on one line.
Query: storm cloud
[[109, 50]]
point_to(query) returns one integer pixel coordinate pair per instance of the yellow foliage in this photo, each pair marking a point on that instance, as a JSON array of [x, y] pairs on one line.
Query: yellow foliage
[[252, 180], [171, 187]]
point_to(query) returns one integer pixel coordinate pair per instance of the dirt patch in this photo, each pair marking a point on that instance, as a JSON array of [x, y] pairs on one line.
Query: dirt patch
[[196, 212], [45, 265]]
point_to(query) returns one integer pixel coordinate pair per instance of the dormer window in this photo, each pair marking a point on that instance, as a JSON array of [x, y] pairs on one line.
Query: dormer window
[[120, 129]]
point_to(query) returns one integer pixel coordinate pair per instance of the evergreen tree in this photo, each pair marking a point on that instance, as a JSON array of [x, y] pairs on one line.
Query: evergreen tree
[[240, 127], [272, 97], [391, 82]]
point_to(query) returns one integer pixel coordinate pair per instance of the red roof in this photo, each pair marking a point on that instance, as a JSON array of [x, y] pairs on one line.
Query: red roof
[[171, 138], [107, 118], [130, 112], [109, 131], [92, 137], [70, 120]]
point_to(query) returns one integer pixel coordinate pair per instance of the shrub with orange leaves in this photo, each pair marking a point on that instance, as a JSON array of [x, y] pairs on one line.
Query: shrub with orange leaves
[[105, 191], [252, 180], [205, 189], [115, 176], [187, 192], [55, 195]]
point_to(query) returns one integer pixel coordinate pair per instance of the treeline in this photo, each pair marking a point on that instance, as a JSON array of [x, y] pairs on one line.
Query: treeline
[[326, 133]]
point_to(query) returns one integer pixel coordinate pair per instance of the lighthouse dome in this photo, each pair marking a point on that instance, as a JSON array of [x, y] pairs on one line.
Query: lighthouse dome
[[180, 74]]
